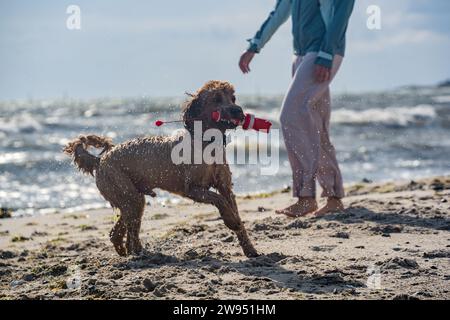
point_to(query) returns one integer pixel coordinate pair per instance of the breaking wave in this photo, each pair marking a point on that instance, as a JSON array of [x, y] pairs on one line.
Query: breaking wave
[[420, 115]]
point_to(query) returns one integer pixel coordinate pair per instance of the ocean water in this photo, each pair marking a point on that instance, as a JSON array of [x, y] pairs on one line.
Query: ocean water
[[398, 134]]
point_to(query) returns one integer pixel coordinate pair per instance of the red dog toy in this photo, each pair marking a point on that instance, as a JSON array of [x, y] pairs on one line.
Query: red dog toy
[[249, 122]]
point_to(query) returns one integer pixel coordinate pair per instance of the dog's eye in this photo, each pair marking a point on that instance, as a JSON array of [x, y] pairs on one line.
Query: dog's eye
[[233, 99]]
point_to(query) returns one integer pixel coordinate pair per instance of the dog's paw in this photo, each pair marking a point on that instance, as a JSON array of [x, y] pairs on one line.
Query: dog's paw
[[121, 251], [251, 253]]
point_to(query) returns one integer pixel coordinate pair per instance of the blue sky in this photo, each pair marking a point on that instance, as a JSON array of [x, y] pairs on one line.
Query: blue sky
[[163, 48]]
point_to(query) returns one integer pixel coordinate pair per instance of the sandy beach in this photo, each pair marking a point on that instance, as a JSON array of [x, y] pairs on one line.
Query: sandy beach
[[392, 242]]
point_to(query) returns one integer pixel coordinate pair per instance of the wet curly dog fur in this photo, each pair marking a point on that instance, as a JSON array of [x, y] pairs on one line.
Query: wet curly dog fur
[[126, 172]]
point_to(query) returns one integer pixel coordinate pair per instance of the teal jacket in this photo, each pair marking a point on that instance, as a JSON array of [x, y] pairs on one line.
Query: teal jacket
[[317, 26]]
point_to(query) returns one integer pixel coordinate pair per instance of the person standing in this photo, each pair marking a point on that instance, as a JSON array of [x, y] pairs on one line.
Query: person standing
[[319, 28]]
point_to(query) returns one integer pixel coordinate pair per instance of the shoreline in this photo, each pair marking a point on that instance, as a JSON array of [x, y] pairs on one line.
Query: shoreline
[[397, 232], [7, 213]]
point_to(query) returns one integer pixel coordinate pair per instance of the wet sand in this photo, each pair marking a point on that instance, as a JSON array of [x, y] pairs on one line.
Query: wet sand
[[393, 242]]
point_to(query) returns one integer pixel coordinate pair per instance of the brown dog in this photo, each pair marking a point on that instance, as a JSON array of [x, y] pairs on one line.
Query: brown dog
[[126, 172]]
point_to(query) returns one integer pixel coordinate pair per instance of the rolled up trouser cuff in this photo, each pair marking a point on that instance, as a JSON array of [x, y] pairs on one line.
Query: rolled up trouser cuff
[[306, 188], [333, 194]]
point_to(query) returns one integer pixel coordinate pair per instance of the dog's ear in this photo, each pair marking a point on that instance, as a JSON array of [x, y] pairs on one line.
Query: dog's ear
[[191, 111]]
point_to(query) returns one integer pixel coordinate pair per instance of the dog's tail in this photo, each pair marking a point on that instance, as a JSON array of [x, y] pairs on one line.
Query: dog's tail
[[86, 162]]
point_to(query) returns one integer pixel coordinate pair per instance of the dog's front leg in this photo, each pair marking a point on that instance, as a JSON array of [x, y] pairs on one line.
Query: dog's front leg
[[203, 195], [228, 211], [241, 233]]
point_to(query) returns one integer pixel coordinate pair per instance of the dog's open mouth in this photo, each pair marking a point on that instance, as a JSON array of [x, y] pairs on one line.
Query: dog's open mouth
[[229, 118], [230, 122]]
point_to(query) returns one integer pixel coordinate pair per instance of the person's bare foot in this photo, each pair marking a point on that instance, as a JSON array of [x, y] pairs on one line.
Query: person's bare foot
[[332, 205], [302, 207]]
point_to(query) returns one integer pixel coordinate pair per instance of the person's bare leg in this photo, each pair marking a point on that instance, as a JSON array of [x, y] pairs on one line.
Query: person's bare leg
[[333, 205], [302, 207]]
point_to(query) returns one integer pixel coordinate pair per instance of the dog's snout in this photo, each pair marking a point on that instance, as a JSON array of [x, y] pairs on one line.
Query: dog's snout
[[236, 112]]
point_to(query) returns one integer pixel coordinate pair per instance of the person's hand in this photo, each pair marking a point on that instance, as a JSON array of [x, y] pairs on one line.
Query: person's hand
[[322, 73], [244, 62]]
